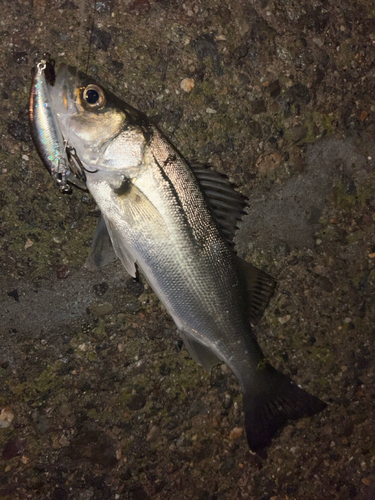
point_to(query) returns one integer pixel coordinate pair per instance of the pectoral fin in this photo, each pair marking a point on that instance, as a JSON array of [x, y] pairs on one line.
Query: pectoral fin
[[136, 211], [139, 211]]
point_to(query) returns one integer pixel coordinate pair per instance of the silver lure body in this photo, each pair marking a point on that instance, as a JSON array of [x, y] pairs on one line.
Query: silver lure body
[[46, 133]]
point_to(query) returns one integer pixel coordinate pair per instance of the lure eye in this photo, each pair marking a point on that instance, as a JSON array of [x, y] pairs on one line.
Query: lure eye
[[94, 97]]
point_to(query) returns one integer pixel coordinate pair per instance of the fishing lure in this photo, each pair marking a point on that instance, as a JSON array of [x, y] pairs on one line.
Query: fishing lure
[[46, 133]]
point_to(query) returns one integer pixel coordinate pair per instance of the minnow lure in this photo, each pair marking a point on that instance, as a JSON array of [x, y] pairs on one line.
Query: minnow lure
[[46, 133]]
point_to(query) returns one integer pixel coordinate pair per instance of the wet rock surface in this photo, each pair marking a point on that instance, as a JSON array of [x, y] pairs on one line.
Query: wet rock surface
[[97, 398]]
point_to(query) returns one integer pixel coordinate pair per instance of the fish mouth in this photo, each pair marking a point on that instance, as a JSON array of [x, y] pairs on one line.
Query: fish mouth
[[63, 98], [63, 91], [64, 88]]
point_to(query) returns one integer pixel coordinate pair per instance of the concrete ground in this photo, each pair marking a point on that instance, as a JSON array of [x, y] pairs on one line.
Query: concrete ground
[[97, 398]]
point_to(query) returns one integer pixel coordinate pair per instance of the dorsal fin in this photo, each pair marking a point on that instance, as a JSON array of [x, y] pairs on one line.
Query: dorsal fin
[[226, 205]]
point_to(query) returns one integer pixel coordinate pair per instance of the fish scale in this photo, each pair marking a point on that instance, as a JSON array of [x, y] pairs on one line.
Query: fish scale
[[201, 296]]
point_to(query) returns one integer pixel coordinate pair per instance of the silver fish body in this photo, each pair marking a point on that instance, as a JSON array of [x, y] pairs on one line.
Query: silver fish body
[[160, 220]]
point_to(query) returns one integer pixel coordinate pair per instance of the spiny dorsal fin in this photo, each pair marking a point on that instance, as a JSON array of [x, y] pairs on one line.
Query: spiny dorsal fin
[[226, 204], [260, 287]]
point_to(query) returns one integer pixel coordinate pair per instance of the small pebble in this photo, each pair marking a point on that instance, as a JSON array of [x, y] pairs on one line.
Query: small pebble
[[64, 441], [153, 433], [298, 132], [318, 41], [28, 244], [13, 448], [284, 319], [6, 418], [180, 441], [236, 433], [268, 163], [65, 410], [62, 272], [187, 84], [102, 309], [227, 403]]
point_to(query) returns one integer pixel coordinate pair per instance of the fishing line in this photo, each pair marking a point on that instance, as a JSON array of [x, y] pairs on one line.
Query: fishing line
[[81, 39], [76, 166], [90, 38], [81, 34], [81, 27]]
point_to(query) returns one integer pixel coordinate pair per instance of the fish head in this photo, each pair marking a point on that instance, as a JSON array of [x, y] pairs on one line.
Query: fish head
[[104, 132]]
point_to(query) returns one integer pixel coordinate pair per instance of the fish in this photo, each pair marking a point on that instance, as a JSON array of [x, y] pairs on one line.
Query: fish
[[174, 222]]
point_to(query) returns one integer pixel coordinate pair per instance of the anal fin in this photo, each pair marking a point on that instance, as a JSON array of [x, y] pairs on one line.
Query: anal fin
[[201, 354]]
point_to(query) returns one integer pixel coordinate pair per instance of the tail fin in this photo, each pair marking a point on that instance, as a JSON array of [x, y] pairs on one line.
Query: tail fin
[[268, 412]]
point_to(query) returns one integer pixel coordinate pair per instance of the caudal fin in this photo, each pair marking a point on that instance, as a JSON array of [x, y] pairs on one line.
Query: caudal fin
[[281, 401]]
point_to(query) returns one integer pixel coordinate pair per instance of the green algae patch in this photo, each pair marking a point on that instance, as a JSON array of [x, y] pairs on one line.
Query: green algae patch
[[41, 385], [92, 356], [47, 379]]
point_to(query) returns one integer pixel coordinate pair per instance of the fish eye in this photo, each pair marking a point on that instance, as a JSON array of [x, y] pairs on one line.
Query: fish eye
[[94, 97]]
